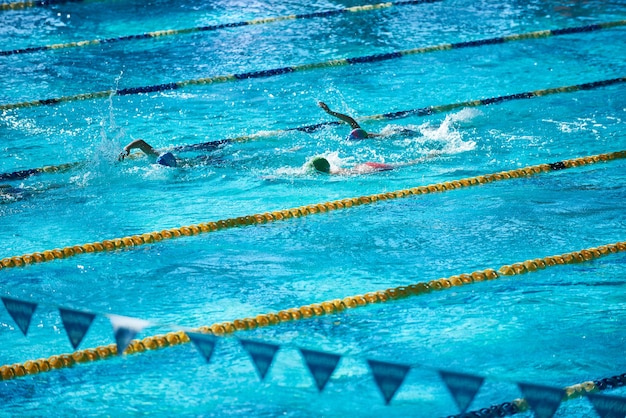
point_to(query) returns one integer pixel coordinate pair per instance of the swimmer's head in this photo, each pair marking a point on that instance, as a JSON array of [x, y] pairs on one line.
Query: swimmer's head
[[321, 164], [357, 134], [167, 159]]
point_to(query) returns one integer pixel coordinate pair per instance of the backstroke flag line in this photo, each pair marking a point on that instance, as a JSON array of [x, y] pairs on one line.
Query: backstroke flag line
[[205, 343], [262, 354], [321, 365], [463, 387], [543, 400], [76, 324], [125, 328], [388, 377], [21, 312]]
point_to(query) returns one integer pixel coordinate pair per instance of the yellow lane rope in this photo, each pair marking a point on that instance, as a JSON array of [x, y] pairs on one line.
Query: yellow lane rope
[[267, 217], [335, 306]]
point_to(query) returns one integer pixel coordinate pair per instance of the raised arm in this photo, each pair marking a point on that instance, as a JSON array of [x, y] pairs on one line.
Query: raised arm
[[341, 116], [138, 144]]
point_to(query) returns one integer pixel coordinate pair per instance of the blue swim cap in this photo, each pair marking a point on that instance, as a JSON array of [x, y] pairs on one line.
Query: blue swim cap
[[357, 134], [167, 159]]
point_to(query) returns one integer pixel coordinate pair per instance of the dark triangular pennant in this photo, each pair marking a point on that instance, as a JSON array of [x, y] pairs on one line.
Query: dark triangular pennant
[[21, 312], [321, 365], [543, 400], [463, 387], [125, 329], [76, 324], [262, 354], [608, 406], [388, 377], [205, 343]]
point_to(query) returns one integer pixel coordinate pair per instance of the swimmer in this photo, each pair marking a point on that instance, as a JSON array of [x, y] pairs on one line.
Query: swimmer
[[166, 158], [357, 132], [321, 164]]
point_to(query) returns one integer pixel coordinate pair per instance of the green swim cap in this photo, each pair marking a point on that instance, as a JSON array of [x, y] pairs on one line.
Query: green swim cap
[[321, 164]]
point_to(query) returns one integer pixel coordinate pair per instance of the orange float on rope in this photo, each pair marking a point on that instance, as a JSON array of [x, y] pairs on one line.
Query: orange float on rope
[[317, 309], [203, 227], [43, 365], [67, 360], [104, 352], [240, 325], [6, 373], [262, 320], [507, 270], [161, 341], [149, 343], [328, 307], [92, 354], [128, 242], [251, 322], [284, 316], [360, 300], [338, 304], [455, 281], [31, 367], [295, 314], [19, 370], [435, 285], [478, 276], [519, 268], [55, 362], [529, 265], [349, 302], [371, 297], [272, 318], [17, 261]]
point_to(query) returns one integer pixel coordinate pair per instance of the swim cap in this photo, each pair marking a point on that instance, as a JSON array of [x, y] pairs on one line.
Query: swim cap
[[167, 159], [321, 164], [357, 134]]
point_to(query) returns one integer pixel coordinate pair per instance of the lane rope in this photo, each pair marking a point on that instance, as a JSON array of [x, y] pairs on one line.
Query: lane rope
[[424, 111], [571, 392], [132, 241], [208, 28], [336, 306], [19, 5], [313, 66]]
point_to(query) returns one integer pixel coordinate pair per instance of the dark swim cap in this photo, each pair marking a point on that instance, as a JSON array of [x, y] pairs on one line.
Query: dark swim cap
[[167, 159], [357, 134], [321, 164]]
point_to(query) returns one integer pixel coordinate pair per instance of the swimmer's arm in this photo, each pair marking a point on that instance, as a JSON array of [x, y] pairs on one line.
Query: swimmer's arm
[[420, 160], [349, 120], [138, 144]]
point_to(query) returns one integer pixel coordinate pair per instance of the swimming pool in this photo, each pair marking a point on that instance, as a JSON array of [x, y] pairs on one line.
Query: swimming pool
[[556, 326]]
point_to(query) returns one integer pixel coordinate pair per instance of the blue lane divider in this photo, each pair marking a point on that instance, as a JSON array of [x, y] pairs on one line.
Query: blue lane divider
[[174, 32], [306, 67]]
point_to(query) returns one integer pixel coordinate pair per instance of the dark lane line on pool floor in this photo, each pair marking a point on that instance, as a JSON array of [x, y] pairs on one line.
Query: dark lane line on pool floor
[[305, 67], [186, 31]]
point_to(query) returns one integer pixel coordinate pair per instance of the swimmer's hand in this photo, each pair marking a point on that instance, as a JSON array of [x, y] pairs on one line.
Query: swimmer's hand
[[123, 154], [323, 106]]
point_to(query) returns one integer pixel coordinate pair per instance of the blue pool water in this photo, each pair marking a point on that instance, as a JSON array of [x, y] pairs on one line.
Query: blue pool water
[[557, 327]]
